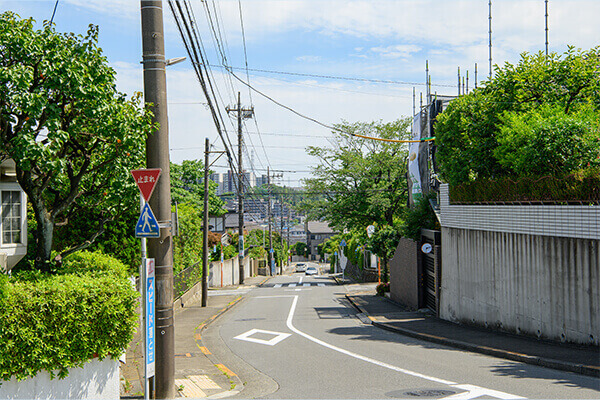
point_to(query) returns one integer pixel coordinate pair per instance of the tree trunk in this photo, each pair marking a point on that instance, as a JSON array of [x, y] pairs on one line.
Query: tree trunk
[[43, 234], [385, 270]]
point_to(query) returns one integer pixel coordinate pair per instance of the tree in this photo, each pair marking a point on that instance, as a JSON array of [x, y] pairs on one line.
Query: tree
[[301, 249], [187, 186], [477, 133], [359, 181], [73, 136]]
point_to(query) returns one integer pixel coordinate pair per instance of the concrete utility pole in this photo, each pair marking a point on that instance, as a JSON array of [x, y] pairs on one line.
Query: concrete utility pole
[[205, 232], [242, 113], [270, 228], [546, 28], [281, 226], [157, 156], [288, 235]]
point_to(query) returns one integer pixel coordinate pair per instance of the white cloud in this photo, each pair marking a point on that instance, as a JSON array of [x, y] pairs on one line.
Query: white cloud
[[396, 51], [309, 59]]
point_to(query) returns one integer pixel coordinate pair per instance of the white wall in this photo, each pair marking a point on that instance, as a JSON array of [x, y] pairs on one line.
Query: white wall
[[96, 380], [230, 272], [523, 269]]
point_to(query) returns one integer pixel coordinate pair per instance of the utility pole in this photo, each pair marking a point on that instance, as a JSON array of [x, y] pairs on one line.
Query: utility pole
[[270, 229], [157, 156], [205, 229], [546, 28], [281, 229], [205, 232], [288, 235], [242, 113]]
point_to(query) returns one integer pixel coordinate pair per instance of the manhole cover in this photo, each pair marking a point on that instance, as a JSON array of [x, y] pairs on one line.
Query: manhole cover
[[423, 393]]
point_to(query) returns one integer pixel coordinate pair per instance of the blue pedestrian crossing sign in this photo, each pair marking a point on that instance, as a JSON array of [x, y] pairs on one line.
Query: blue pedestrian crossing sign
[[147, 225]]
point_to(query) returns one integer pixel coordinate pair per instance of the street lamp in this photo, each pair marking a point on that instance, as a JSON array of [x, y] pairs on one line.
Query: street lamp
[[173, 61]]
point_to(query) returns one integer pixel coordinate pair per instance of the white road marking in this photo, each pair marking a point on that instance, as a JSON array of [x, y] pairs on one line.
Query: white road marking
[[321, 284], [272, 297], [293, 284], [306, 284], [277, 337], [472, 391], [277, 286], [300, 280]]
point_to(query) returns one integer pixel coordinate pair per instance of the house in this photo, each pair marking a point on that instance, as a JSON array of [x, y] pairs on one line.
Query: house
[[13, 224], [317, 232]]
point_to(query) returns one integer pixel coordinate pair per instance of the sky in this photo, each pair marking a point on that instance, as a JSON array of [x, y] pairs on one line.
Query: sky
[[371, 40]]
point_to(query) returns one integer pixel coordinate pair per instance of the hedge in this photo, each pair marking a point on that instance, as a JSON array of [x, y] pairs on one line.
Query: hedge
[[578, 188], [56, 322]]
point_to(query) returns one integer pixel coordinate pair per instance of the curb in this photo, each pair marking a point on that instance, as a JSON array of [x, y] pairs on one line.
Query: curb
[[581, 369]]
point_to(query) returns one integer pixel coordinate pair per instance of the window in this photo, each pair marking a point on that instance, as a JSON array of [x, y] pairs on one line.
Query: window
[[11, 217]]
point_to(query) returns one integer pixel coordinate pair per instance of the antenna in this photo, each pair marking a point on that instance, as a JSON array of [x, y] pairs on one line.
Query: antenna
[[546, 28], [427, 79], [490, 34]]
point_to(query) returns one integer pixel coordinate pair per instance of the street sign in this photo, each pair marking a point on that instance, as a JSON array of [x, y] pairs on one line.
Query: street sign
[[150, 296], [426, 248], [343, 243], [147, 225], [225, 239], [146, 180]]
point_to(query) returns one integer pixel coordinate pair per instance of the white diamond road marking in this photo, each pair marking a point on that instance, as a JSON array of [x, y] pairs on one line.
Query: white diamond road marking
[[277, 337]]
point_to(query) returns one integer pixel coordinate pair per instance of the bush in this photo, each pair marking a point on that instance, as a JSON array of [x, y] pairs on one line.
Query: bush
[[580, 187], [382, 288], [421, 216], [56, 322]]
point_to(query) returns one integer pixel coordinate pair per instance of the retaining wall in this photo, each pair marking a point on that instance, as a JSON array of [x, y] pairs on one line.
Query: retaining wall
[[533, 270], [96, 380]]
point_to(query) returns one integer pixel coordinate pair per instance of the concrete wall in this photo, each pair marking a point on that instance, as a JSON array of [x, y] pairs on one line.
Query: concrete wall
[[230, 272], [96, 380], [523, 269], [405, 274]]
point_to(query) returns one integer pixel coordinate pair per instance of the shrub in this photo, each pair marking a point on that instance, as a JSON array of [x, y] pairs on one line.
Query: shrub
[[382, 288], [56, 322]]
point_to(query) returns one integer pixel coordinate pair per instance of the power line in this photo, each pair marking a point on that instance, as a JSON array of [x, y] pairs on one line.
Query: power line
[[344, 78]]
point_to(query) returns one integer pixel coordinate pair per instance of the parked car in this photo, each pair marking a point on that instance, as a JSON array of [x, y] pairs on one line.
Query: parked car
[[300, 267], [311, 271]]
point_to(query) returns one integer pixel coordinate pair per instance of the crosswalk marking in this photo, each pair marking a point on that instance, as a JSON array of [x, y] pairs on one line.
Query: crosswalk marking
[[295, 285]]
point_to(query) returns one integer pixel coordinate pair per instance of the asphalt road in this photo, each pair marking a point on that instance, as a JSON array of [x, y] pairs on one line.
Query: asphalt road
[[297, 337]]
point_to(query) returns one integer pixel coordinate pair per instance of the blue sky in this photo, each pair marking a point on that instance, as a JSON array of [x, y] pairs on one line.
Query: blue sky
[[376, 39]]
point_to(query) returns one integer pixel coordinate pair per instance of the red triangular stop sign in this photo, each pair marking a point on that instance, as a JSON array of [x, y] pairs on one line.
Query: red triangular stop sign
[[146, 180]]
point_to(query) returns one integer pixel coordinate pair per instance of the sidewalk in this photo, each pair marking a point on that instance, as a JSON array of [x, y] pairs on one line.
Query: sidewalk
[[197, 374], [388, 315]]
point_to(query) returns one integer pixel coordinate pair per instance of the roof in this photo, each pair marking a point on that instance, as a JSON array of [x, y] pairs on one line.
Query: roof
[[319, 227]]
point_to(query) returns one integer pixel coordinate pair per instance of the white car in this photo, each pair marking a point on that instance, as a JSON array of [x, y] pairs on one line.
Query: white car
[[311, 271], [300, 267]]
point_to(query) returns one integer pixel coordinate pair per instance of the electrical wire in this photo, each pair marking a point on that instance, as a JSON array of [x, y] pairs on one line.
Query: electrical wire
[[323, 124]]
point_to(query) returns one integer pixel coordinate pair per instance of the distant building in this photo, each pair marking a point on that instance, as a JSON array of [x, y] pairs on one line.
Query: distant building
[[316, 233]]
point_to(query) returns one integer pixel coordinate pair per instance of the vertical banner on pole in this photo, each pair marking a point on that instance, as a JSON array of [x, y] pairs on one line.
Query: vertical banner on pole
[[150, 325]]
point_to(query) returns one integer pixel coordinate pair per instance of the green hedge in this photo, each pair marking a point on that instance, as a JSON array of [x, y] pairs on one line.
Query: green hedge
[[583, 187], [56, 322]]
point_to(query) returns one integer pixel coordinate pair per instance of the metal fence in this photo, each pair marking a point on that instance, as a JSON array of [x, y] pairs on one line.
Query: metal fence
[[186, 279]]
